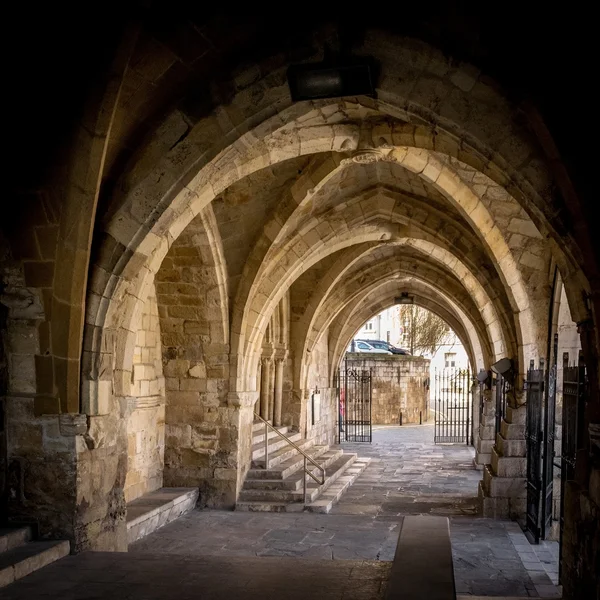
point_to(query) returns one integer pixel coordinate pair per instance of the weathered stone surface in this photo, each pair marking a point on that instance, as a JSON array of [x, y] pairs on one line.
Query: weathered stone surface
[[399, 387]]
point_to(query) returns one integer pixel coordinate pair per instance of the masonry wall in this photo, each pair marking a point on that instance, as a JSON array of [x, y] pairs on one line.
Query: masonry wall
[[146, 422], [320, 427], [201, 427], [398, 386]]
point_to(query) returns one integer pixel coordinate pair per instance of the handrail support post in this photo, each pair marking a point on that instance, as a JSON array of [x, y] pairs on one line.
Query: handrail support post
[[304, 481], [266, 446]]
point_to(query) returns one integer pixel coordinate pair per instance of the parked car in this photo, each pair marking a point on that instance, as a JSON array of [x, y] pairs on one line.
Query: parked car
[[362, 346], [386, 346]]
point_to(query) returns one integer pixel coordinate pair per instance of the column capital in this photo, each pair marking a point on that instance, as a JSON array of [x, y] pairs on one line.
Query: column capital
[[266, 360]]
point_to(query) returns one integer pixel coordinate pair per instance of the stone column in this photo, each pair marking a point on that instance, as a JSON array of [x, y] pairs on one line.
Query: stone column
[[485, 434], [503, 491], [265, 380], [278, 391], [271, 392]]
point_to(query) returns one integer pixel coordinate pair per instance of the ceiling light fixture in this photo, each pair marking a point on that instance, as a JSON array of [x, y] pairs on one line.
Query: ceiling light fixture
[[404, 298], [352, 77]]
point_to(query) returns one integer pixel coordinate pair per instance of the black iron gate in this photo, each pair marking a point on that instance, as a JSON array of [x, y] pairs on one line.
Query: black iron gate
[[533, 436], [452, 406], [573, 408], [354, 405], [548, 442]]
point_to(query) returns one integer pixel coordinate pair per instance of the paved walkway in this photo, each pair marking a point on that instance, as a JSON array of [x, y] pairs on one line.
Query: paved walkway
[[344, 555], [408, 474], [140, 576]]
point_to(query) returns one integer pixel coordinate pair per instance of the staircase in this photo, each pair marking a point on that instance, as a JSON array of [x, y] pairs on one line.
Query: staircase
[[19, 556], [279, 488]]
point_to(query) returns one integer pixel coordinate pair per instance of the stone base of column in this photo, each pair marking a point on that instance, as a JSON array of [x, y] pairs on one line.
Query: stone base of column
[[503, 491], [485, 433]]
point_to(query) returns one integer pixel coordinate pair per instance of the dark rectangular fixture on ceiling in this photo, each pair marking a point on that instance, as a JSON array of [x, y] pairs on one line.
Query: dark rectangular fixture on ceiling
[[321, 80], [404, 298]]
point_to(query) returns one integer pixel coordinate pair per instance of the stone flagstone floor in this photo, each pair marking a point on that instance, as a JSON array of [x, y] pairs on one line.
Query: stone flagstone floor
[[344, 555]]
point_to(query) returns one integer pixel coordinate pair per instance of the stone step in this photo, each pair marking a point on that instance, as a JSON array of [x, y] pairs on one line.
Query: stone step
[[11, 537], [487, 432], [481, 459], [285, 468], [501, 507], [258, 450], [324, 457], [508, 466], [155, 509], [333, 494], [285, 507], [283, 453], [516, 448], [510, 431], [332, 473], [516, 416], [484, 446], [503, 487], [336, 472], [259, 436], [23, 560], [259, 426]]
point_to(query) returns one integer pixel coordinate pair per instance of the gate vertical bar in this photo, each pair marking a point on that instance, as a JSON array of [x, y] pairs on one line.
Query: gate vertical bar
[[535, 390], [445, 410], [548, 456], [370, 416], [565, 458], [346, 400], [466, 401], [435, 407]]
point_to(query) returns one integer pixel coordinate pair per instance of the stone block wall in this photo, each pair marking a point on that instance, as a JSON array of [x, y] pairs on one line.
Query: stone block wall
[[146, 422], [399, 385], [201, 427], [323, 429]]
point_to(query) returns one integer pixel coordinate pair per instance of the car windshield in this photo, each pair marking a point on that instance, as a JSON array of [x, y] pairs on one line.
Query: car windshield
[[377, 344]]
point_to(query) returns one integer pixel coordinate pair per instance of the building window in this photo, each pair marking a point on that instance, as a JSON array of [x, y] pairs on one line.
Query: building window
[[369, 326], [450, 358]]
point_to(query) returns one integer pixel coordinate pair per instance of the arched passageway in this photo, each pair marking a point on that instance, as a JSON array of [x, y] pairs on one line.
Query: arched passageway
[[204, 246]]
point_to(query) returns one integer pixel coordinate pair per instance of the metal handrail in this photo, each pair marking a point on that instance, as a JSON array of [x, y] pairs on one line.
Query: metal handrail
[[304, 454]]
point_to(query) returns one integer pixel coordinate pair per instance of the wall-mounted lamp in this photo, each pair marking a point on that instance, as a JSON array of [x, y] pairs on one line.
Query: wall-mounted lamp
[[503, 367], [483, 376]]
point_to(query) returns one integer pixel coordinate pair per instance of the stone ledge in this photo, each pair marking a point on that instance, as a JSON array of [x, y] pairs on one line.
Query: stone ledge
[[155, 509], [19, 562]]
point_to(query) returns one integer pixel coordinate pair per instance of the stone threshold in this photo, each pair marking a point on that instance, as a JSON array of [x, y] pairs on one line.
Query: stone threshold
[[19, 556], [155, 509]]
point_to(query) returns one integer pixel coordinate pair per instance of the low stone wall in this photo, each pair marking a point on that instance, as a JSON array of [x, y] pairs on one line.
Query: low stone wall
[[399, 385]]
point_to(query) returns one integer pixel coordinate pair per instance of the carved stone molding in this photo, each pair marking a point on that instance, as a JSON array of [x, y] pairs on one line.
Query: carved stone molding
[[370, 155]]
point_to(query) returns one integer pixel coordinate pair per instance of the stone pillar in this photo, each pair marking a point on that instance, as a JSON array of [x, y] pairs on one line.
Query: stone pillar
[[485, 434], [271, 392], [265, 381], [503, 491], [278, 391]]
